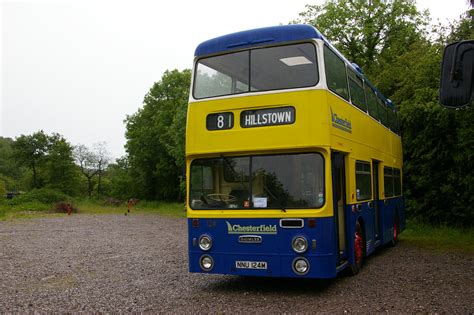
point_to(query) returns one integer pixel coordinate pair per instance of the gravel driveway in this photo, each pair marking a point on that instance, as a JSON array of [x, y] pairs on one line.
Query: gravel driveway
[[139, 263]]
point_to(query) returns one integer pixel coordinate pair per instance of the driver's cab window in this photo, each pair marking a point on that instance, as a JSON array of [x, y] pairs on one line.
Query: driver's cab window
[[236, 177], [201, 177], [219, 183]]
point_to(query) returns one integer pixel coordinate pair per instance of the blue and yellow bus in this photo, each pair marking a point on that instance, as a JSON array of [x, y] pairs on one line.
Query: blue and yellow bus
[[293, 158]]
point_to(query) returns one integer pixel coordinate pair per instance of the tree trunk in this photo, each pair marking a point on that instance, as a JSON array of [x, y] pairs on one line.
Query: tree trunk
[[34, 175], [98, 184], [89, 186]]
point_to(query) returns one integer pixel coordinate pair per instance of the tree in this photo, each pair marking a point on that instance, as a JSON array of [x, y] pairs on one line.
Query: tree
[[391, 42], [49, 157], [463, 28], [2, 189], [121, 183], [368, 32], [87, 162], [155, 137], [103, 160], [61, 172], [438, 143], [30, 151], [92, 163], [10, 173]]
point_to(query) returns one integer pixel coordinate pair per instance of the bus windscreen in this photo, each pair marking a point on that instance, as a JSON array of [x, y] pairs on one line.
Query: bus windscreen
[[258, 182], [262, 69]]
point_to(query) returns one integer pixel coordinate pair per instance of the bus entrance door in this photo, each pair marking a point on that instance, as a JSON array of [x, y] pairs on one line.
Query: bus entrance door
[[339, 201], [376, 206]]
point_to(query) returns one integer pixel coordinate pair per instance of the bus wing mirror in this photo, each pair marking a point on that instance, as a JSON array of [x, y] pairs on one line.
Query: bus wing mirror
[[457, 71]]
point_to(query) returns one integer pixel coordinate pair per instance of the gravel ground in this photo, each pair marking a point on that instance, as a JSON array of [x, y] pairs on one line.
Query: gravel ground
[[139, 263]]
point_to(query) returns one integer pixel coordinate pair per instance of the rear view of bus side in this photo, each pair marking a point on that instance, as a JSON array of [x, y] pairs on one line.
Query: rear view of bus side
[[293, 158]]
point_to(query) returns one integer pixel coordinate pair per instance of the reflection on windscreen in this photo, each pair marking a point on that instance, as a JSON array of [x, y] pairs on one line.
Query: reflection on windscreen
[[263, 69], [272, 182]]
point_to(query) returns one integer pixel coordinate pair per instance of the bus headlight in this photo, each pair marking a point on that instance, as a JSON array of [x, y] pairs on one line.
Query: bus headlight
[[301, 266], [206, 263], [299, 244], [205, 242]]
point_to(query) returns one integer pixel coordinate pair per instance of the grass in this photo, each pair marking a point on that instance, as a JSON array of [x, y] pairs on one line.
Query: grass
[[171, 209], [26, 210], [439, 238], [36, 209]]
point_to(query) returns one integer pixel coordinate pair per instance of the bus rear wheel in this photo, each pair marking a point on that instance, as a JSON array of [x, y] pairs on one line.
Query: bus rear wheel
[[358, 249], [396, 231]]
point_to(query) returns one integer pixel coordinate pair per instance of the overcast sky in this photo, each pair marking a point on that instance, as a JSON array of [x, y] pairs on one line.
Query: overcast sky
[[78, 67]]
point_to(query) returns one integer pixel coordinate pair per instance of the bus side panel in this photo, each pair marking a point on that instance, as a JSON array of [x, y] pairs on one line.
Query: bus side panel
[[274, 249], [391, 208]]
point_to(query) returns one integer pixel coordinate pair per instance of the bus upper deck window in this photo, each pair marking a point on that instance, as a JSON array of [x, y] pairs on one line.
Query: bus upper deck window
[[222, 75], [258, 69], [283, 67]]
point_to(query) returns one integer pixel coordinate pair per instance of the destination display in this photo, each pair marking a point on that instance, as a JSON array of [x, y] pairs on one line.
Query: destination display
[[220, 121], [267, 117]]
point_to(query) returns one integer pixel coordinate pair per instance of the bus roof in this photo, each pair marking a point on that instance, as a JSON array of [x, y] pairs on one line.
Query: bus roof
[[274, 35], [257, 37]]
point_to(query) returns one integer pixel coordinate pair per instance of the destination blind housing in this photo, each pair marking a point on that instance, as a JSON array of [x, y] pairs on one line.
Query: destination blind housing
[[267, 117]]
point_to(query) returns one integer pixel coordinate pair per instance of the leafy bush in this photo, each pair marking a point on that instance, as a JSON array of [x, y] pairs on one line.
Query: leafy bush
[[2, 189], [42, 195], [112, 202], [64, 207]]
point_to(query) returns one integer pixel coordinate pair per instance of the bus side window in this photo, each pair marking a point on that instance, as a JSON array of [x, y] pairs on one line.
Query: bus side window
[[336, 79], [397, 183], [356, 89], [363, 180], [371, 102], [388, 181], [382, 110], [392, 119], [397, 121]]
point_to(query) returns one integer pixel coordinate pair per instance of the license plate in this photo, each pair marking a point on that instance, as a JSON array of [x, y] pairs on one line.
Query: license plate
[[250, 264]]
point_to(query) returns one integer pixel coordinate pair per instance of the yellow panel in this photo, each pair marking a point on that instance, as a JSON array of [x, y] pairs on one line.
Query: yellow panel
[[367, 140], [309, 129], [324, 122]]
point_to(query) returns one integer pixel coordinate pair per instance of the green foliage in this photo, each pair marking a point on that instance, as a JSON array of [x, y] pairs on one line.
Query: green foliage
[[96, 206], [2, 189], [368, 33], [30, 203], [121, 182], [390, 41], [46, 196], [441, 238], [92, 164], [9, 183], [8, 166], [464, 28], [50, 160], [155, 138], [438, 143], [30, 151], [61, 172]]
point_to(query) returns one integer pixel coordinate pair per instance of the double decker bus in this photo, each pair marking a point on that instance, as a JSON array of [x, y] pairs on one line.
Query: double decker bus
[[293, 158]]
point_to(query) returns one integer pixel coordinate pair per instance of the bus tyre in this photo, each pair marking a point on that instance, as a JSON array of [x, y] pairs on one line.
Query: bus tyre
[[396, 231], [358, 249]]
